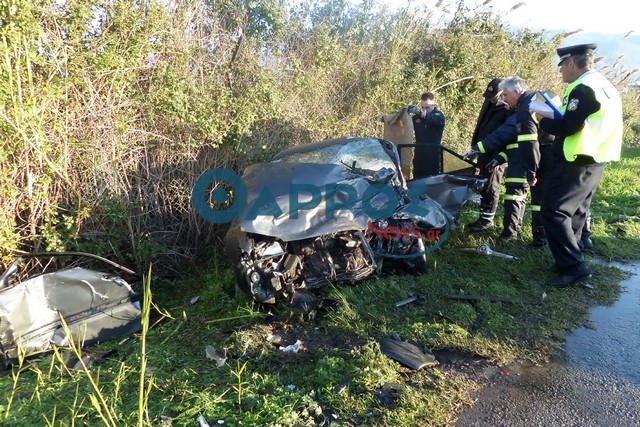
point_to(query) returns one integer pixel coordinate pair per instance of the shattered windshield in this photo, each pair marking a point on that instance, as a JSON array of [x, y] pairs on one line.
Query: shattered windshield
[[367, 153]]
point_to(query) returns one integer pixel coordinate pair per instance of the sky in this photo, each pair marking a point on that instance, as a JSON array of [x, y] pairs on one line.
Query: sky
[[603, 16], [613, 24]]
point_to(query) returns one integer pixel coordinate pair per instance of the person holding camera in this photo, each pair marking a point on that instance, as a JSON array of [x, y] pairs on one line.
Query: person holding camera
[[428, 125]]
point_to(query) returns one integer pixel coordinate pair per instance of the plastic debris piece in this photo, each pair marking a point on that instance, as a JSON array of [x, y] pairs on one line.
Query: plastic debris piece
[[407, 301], [246, 347], [293, 348], [291, 387], [408, 354], [341, 388], [212, 354], [220, 421], [194, 300], [275, 339], [203, 422], [504, 372]]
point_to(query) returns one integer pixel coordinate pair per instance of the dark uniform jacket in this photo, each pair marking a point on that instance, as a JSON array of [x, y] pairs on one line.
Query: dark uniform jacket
[[524, 155], [501, 137], [427, 159], [429, 128], [491, 117], [527, 128]]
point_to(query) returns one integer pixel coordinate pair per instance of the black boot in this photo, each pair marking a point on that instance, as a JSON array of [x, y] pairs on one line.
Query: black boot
[[487, 212], [479, 225]]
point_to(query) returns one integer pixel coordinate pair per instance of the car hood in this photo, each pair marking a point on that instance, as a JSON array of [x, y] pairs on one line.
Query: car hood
[[277, 182]]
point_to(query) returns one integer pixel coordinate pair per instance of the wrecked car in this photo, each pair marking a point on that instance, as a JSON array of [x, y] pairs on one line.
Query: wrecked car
[[96, 306], [337, 211]]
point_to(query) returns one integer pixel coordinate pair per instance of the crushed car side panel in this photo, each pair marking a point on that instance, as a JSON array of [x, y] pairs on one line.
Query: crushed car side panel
[[96, 306], [451, 192]]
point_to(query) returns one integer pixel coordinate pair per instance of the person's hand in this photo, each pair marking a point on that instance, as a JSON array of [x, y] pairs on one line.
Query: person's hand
[[471, 154], [492, 165], [533, 182]]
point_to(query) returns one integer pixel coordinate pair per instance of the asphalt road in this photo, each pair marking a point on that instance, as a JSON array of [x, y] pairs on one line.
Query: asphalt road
[[596, 382]]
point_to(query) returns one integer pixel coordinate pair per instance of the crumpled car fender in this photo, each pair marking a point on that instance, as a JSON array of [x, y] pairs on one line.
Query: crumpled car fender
[[96, 307]]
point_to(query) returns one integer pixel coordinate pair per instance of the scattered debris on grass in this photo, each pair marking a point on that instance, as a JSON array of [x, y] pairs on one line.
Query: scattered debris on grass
[[484, 249], [213, 354], [408, 354], [407, 301], [293, 348]]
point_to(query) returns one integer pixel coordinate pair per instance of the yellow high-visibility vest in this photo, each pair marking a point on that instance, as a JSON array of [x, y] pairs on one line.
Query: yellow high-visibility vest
[[601, 136]]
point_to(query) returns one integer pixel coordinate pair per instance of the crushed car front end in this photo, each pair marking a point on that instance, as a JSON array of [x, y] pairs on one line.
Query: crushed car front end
[[336, 211]]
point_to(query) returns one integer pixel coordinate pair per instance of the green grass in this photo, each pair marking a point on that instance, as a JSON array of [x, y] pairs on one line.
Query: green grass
[[340, 376]]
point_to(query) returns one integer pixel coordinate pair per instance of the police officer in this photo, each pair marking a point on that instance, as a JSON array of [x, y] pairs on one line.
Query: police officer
[[523, 156], [588, 135], [428, 125], [493, 114]]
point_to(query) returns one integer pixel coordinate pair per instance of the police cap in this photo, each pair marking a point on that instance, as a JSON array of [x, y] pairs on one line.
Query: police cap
[[578, 49], [492, 89]]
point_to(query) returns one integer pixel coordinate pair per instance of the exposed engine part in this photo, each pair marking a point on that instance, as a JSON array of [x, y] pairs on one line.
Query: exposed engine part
[[311, 263]]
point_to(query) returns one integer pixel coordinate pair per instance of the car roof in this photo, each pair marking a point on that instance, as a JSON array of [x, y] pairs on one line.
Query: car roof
[[318, 146]]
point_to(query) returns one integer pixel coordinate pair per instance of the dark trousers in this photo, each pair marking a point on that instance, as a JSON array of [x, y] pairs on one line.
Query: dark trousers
[[567, 198], [427, 160], [514, 204], [490, 196], [545, 169], [586, 229]]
